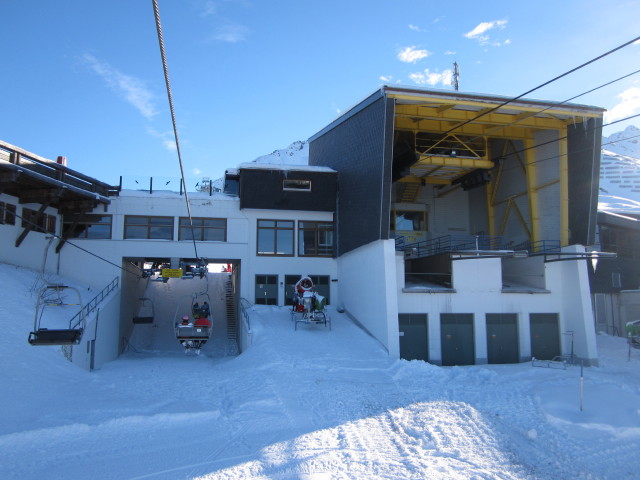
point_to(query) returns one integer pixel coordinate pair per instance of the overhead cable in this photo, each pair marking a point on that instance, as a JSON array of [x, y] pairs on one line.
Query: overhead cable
[[165, 68]]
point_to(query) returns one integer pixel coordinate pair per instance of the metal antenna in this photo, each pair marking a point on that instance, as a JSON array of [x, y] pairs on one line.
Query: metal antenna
[[455, 76]]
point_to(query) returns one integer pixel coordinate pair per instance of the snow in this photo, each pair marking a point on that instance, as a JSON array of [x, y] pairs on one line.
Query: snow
[[295, 154], [313, 404], [620, 172]]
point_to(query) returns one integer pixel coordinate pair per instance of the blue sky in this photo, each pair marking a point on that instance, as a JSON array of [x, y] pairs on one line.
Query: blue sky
[[84, 78]]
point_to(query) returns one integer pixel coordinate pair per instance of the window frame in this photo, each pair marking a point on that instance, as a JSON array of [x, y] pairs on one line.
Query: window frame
[[316, 237], [7, 213], [45, 224], [148, 225], [296, 185], [87, 221], [202, 228], [275, 229]]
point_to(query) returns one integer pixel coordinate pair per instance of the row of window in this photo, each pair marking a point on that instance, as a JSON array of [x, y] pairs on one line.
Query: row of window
[[149, 227], [275, 237], [44, 222]]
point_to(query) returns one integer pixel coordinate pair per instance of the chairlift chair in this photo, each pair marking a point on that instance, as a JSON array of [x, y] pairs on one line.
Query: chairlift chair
[[42, 335], [195, 334], [145, 311]]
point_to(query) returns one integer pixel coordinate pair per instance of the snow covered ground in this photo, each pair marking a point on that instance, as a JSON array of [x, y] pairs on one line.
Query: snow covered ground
[[311, 404]]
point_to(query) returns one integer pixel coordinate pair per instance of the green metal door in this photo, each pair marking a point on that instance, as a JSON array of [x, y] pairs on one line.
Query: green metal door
[[502, 338], [414, 338], [545, 335], [458, 346]]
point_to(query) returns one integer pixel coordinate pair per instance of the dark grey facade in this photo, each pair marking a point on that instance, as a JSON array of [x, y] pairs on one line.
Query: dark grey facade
[[266, 188], [584, 143], [360, 148]]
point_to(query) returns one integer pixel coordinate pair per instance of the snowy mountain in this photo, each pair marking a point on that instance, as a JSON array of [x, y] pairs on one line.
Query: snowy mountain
[[295, 154], [620, 172]]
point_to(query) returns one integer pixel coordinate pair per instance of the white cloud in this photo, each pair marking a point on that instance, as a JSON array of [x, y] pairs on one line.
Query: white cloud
[[431, 78], [132, 89], [208, 8], [449, 52], [231, 33], [479, 33], [416, 28], [169, 145], [386, 78], [166, 138], [196, 171], [412, 54], [629, 105]]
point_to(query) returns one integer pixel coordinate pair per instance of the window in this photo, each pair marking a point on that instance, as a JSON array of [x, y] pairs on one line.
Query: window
[[275, 237], [89, 226], [410, 221], [315, 239], [204, 229], [7, 214], [296, 185], [45, 223], [266, 290], [148, 227]]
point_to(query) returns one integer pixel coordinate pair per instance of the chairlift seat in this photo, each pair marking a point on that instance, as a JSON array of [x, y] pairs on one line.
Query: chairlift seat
[[192, 332], [137, 320], [44, 336]]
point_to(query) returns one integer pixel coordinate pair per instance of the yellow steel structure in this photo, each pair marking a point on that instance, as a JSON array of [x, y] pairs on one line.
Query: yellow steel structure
[[440, 121], [564, 188]]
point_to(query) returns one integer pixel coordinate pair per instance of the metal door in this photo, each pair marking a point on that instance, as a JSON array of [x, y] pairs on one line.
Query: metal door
[[457, 339], [545, 335], [414, 336], [502, 338]]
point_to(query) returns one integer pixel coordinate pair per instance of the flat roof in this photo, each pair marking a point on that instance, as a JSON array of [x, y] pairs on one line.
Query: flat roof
[[522, 111]]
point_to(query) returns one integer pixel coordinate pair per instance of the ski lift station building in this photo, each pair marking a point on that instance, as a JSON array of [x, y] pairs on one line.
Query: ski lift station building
[[455, 228]]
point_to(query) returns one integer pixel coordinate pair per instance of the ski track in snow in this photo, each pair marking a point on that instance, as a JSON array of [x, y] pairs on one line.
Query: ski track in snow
[[312, 404]]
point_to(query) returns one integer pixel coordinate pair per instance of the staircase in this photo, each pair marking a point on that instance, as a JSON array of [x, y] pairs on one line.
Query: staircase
[[232, 316], [410, 192]]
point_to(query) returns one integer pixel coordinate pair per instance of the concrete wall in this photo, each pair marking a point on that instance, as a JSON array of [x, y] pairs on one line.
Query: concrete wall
[[367, 284], [571, 281], [478, 290]]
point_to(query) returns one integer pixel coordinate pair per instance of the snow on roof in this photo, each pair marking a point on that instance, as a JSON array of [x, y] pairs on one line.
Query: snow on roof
[[284, 166]]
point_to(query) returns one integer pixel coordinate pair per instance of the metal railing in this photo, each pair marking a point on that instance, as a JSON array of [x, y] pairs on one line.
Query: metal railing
[[79, 319], [450, 243], [246, 335], [539, 247]]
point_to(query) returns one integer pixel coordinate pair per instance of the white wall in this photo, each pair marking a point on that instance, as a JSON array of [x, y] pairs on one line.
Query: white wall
[[477, 288], [572, 280], [367, 284], [281, 266]]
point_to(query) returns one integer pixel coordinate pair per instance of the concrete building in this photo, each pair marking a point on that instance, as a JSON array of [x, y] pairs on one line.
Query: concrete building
[[452, 227]]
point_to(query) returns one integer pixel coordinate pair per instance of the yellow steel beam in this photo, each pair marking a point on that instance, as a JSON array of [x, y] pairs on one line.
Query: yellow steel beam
[[564, 188], [532, 182], [417, 125], [579, 113], [489, 195], [461, 162], [531, 121]]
